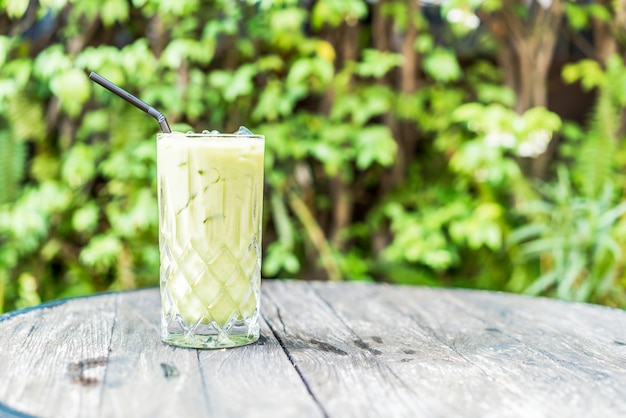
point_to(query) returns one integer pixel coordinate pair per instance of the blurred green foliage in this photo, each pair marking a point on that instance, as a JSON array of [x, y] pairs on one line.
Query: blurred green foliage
[[389, 156]]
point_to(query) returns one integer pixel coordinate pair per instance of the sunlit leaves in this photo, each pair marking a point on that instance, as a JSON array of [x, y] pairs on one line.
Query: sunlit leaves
[[139, 61], [591, 75], [181, 51], [491, 93], [288, 20], [575, 238], [275, 101], [27, 223], [85, 219], [233, 84], [333, 13], [579, 16], [114, 11], [315, 73], [26, 118], [175, 7], [12, 160], [431, 168], [362, 105], [500, 128], [424, 43], [16, 8], [27, 291], [133, 214], [375, 144], [51, 61], [482, 228], [280, 254], [333, 148], [418, 241], [5, 47], [589, 72], [377, 63], [72, 87], [79, 166], [441, 64], [102, 252], [279, 258]]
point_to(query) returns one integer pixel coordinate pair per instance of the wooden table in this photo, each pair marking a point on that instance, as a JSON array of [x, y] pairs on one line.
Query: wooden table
[[327, 350]]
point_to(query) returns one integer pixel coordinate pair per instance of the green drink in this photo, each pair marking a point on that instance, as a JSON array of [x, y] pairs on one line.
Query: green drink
[[210, 206]]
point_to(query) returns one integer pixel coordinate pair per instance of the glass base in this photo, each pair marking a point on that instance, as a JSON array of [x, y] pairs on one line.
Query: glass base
[[209, 337]]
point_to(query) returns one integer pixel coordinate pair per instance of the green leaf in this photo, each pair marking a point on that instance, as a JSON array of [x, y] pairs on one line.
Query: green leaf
[[599, 11], [572, 131], [575, 270], [424, 43], [589, 72], [375, 144], [12, 166], [441, 64], [28, 294], [468, 112], [526, 232], [72, 87], [576, 16], [542, 283], [54, 4], [489, 93], [16, 9], [287, 20], [102, 252], [85, 219], [51, 61], [377, 63], [536, 247], [5, 47], [241, 83], [79, 166], [114, 11], [26, 117], [332, 13]]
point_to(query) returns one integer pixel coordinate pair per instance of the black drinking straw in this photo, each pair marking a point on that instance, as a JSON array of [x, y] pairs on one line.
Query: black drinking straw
[[132, 100]]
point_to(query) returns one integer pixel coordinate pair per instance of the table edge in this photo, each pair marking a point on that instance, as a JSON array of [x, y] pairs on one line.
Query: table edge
[[58, 302]]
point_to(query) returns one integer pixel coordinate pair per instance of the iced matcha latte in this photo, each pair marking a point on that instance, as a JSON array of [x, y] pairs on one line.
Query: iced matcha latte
[[210, 205]]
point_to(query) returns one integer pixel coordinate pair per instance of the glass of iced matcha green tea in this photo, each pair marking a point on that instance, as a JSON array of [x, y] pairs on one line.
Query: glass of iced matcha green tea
[[210, 191]]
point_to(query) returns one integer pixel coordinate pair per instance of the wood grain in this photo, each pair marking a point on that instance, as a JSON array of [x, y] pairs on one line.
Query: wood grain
[[327, 350], [54, 351], [485, 354]]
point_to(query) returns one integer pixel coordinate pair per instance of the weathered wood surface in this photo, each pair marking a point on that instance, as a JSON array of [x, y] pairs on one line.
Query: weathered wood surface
[[327, 350]]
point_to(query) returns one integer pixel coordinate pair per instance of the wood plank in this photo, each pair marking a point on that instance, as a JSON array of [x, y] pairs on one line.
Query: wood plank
[[358, 350], [102, 357], [145, 377], [464, 355], [195, 383], [345, 378], [579, 354], [48, 370]]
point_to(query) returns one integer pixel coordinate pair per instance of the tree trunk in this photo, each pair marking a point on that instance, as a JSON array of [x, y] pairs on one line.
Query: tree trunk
[[604, 41], [526, 46], [342, 201], [405, 80]]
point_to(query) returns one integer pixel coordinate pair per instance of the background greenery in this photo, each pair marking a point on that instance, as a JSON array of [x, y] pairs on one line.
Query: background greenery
[[476, 144]]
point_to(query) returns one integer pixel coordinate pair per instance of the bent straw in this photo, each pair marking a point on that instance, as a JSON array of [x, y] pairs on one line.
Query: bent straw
[[132, 100]]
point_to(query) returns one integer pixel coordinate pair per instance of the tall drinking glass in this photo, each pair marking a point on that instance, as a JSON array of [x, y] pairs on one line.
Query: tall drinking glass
[[210, 206]]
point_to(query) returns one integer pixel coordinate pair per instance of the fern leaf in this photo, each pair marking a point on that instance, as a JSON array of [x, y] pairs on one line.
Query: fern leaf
[[12, 162], [596, 159]]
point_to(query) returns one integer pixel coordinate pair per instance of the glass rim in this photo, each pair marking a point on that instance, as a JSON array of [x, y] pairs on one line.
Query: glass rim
[[199, 135]]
